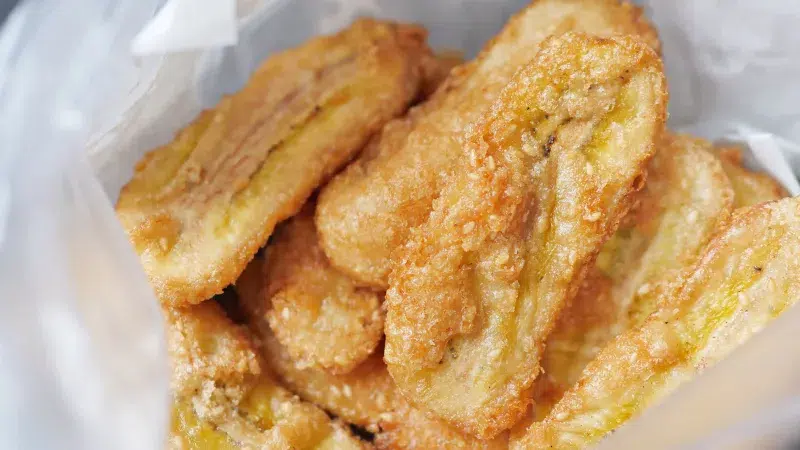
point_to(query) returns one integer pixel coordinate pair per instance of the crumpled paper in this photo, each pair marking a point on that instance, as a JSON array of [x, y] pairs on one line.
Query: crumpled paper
[[732, 69]]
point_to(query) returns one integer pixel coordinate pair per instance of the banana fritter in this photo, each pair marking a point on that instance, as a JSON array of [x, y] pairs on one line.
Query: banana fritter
[[315, 311], [366, 212], [751, 187], [224, 399], [549, 174], [745, 277], [686, 198], [366, 396], [437, 71], [198, 209]]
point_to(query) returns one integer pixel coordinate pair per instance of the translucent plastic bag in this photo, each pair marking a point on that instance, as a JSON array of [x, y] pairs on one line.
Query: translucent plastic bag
[[82, 361]]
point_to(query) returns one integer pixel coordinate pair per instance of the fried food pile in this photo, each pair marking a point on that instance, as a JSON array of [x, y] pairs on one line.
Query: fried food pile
[[226, 399], [417, 252], [547, 176], [369, 209]]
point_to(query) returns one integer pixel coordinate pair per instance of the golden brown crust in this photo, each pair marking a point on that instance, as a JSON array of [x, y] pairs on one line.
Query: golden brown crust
[[408, 428], [317, 312], [751, 187], [366, 396], [198, 209], [314, 384], [549, 173], [437, 69], [686, 199], [567, 351], [745, 277], [205, 347], [366, 211], [223, 399]]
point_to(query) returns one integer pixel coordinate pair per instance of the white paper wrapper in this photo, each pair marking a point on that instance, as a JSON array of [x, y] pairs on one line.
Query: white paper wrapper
[[125, 76]]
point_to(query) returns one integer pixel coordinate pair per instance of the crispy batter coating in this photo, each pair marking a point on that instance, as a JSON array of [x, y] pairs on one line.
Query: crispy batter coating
[[746, 276], [366, 396], [550, 172], [205, 348], [199, 208], [437, 70], [567, 352], [751, 187], [314, 384], [223, 400], [408, 428], [317, 312], [686, 198], [366, 212]]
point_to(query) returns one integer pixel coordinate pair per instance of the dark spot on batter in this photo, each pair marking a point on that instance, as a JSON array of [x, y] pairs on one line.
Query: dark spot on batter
[[362, 433], [452, 351], [638, 182], [549, 144]]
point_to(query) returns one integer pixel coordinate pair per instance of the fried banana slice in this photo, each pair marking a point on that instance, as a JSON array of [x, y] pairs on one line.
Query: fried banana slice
[[199, 208], [686, 198], [366, 212], [223, 400], [315, 311], [366, 396], [550, 172], [437, 71], [746, 276], [408, 428], [751, 187], [314, 384]]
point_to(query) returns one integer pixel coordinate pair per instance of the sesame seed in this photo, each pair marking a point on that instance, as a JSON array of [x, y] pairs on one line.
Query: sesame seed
[[592, 217], [502, 258]]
